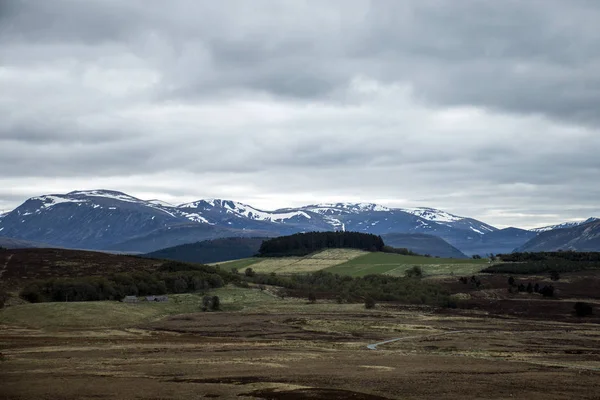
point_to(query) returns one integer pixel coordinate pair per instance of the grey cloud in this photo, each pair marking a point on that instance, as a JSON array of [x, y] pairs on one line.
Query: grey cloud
[[484, 108]]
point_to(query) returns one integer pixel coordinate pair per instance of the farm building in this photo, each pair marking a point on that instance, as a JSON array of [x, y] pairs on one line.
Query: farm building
[[130, 299], [157, 298]]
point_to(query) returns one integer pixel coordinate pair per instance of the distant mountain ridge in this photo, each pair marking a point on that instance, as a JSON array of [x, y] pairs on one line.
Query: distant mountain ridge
[[582, 237], [564, 225], [111, 220]]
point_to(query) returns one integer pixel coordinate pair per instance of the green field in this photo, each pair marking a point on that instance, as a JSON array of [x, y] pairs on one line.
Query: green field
[[116, 315], [240, 265], [295, 265], [358, 263], [397, 264]]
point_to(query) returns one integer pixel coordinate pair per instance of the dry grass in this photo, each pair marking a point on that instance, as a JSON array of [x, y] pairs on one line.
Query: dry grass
[[310, 263], [316, 351]]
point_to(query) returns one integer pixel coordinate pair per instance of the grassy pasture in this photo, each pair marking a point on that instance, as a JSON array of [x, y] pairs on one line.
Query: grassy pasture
[[114, 315], [296, 265], [397, 265], [96, 314]]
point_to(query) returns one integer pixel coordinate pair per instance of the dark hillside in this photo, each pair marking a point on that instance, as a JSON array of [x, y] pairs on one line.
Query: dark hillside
[[211, 251], [423, 244], [585, 237]]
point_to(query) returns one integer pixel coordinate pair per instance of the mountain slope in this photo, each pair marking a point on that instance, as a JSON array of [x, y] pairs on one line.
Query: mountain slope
[[92, 219], [10, 243], [584, 237], [423, 244], [501, 241], [109, 220], [564, 225], [211, 251]]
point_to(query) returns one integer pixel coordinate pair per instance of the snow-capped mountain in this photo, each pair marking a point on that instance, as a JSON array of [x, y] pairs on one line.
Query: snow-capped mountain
[[581, 237], [104, 219], [564, 225]]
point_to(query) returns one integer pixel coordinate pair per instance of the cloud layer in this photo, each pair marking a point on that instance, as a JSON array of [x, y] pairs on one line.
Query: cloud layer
[[487, 109]]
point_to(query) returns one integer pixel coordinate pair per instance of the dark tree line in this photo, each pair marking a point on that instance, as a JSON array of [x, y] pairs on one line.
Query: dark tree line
[[301, 244], [172, 277], [551, 262], [577, 256]]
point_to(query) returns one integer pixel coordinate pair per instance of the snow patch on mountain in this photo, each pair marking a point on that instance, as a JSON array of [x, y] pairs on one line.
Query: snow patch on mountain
[[330, 208], [160, 203], [52, 200], [431, 214], [564, 225], [108, 194], [259, 215]]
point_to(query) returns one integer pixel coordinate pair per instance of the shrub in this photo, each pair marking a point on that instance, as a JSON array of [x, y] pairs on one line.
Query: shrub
[[476, 257], [414, 272], [554, 275], [312, 298], [369, 302], [216, 303], [547, 291], [529, 288], [249, 272], [511, 281], [206, 303], [583, 309], [32, 294]]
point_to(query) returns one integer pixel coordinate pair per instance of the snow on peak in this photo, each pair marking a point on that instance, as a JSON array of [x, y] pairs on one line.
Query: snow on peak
[[325, 208], [564, 225], [240, 209], [161, 203], [432, 214], [109, 194], [52, 200]]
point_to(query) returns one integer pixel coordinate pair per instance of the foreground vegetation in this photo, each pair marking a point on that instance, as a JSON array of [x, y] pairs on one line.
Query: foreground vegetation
[[171, 277]]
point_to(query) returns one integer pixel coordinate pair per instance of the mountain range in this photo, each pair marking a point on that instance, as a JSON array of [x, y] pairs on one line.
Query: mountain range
[[114, 221]]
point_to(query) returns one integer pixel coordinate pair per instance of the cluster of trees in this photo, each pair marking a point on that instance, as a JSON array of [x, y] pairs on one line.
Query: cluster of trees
[[551, 255], [301, 244], [536, 263], [358, 289], [171, 277], [211, 303], [473, 281], [546, 290]]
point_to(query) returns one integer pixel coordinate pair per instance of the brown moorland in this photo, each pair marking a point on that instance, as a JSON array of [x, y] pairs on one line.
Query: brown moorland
[[496, 345]]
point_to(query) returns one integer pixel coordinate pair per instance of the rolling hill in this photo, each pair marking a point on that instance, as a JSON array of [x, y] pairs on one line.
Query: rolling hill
[[21, 266], [211, 251], [354, 262], [10, 243], [423, 244]]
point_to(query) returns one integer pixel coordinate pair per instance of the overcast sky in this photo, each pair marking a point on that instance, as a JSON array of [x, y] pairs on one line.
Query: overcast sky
[[489, 109]]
